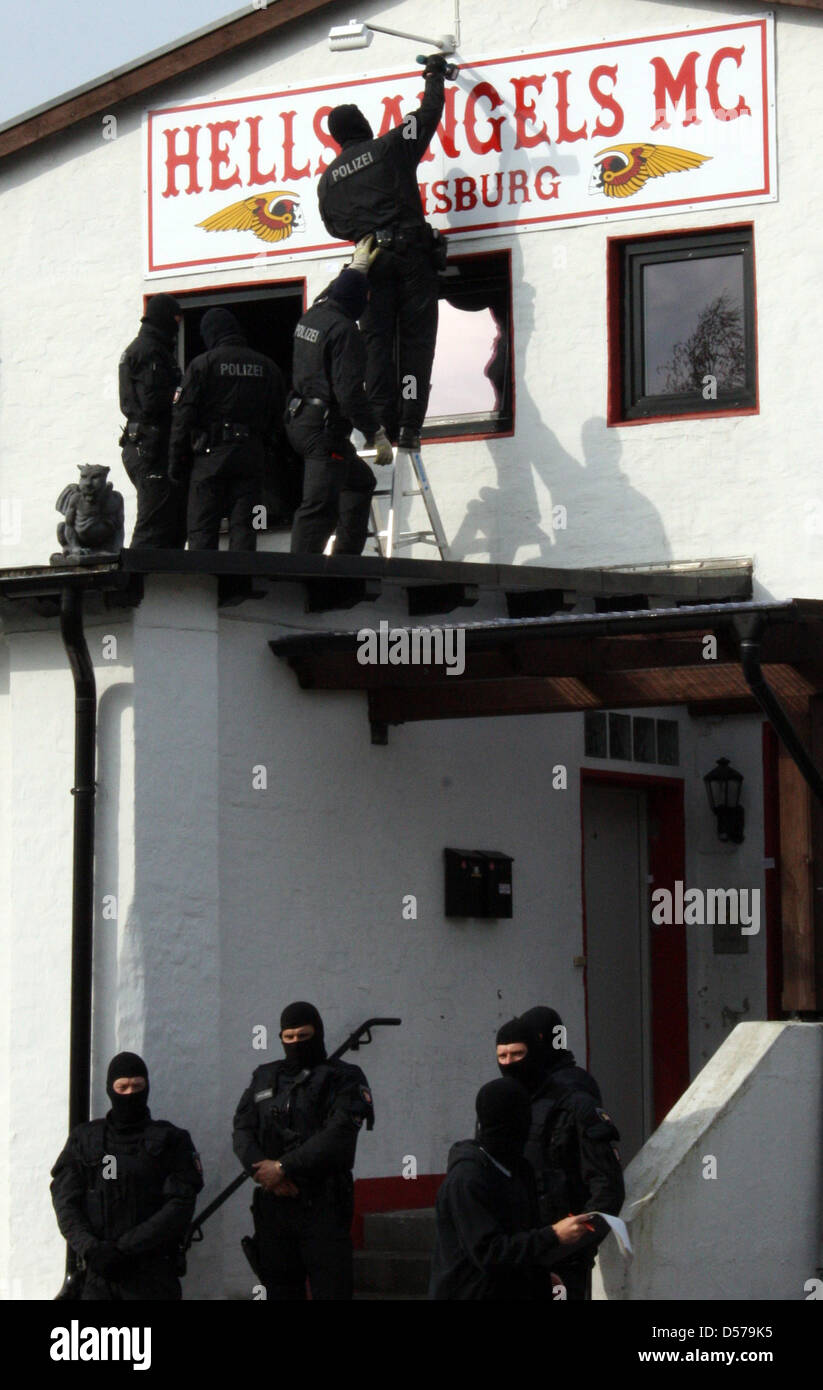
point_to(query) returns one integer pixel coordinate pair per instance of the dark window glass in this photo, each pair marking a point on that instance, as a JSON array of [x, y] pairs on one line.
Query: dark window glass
[[596, 734], [644, 741], [471, 390], [668, 742], [693, 325], [620, 736], [688, 324]]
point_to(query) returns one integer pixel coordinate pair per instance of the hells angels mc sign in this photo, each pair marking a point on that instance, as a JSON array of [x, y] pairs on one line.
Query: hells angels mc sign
[[626, 128]]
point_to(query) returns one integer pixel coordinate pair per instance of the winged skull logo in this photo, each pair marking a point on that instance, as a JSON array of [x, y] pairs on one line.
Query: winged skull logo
[[272, 216], [622, 170]]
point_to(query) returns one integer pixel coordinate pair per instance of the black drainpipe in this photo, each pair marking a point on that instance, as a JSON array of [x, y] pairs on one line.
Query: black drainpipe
[[82, 907], [771, 706]]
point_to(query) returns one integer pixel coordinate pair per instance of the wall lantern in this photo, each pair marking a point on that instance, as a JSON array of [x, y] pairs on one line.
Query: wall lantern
[[723, 785]]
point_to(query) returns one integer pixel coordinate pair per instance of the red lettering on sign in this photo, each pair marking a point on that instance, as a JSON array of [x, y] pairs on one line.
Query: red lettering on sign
[[538, 182], [564, 133], [483, 90], [444, 202], [447, 129], [392, 114], [465, 193], [518, 183], [174, 160], [289, 171], [484, 190], [256, 175], [219, 157], [606, 101], [665, 85], [725, 113], [525, 114], [320, 115]]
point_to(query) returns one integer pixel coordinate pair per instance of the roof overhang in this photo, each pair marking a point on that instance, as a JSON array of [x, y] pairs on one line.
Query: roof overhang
[[572, 662], [336, 582], [212, 43]]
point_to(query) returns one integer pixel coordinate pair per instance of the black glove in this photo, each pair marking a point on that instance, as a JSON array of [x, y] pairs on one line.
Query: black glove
[[106, 1259], [436, 65]]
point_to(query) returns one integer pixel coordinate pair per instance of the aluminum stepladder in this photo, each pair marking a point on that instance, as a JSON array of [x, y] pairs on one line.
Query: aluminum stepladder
[[388, 539]]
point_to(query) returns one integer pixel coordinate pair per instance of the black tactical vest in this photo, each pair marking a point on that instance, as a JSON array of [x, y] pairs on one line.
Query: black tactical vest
[[125, 1174]]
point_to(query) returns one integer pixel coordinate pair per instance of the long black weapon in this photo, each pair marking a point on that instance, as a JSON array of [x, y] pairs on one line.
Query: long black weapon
[[359, 1038]]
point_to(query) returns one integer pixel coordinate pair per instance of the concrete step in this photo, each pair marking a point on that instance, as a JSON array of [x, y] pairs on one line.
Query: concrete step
[[391, 1272], [410, 1231]]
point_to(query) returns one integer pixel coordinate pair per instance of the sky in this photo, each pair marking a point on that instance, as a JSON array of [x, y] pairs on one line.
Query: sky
[[50, 46]]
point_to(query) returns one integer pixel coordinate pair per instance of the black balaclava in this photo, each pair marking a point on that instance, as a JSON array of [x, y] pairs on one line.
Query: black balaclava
[[503, 1120], [529, 1071], [351, 291], [303, 1054], [218, 323], [348, 123], [543, 1022], [128, 1112], [160, 313]]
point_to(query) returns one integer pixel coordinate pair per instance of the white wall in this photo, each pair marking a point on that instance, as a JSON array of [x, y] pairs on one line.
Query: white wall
[[745, 485], [38, 773], [753, 1230], [233, 901]]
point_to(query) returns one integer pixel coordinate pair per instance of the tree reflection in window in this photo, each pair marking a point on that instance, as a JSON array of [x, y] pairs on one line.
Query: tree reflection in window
[[715, 349], [687, 340]]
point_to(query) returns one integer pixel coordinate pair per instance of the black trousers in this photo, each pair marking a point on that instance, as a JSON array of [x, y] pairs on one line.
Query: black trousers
[[403, 298], [161, 506], [299, 1239], [337, 490], [576, 1274], [151, 1279], [226, 482]]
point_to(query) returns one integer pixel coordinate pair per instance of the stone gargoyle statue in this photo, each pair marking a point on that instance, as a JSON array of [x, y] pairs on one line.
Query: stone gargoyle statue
[[93, 514]]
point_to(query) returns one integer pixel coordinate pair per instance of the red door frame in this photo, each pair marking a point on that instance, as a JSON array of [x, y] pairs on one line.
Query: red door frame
[[669, 984]]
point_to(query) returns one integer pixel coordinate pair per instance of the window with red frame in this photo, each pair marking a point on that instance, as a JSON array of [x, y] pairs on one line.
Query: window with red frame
[[472, 388], [685, 342]]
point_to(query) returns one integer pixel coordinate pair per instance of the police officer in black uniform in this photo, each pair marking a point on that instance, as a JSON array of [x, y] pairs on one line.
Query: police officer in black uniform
[[295, 1132], [572, 1145], [124, 1190], [490, 1242], [328, 370], [149, 376], [228, 412], [372, 187]]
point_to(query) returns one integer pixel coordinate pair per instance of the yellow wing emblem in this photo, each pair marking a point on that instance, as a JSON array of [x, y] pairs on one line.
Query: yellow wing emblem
[[622, 170], [272, 216]]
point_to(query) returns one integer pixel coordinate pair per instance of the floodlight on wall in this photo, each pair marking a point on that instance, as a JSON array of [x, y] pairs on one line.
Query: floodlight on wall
[[354, 35]]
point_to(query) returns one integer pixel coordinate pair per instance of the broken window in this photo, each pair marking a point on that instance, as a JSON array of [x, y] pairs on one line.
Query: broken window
[[471, 390]]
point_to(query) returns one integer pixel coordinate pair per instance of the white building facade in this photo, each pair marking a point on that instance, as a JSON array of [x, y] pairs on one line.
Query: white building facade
[[254, 844]]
